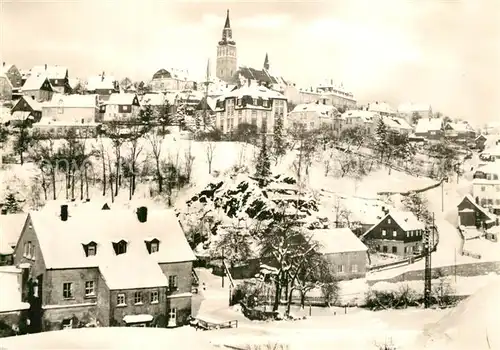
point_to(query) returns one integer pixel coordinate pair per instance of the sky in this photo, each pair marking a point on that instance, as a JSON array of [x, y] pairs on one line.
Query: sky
[[442, 52]]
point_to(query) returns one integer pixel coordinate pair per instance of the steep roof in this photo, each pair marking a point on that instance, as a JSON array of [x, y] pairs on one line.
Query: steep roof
[[397, 123], [11, 226], [366, 116], [428, 124], [153, 99], [105, 227], [121, 99], [406, 220], [469, 198], [4, 76], [315, 107], [381, 107], [35, 105], [337, 240], [34, 82], [460, 127], [254, 91], [72, 101], [261, 75]]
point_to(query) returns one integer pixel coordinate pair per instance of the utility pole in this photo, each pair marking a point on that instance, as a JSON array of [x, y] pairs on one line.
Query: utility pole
[[442, 195], [428, 270], [206, 83], [223, 268]]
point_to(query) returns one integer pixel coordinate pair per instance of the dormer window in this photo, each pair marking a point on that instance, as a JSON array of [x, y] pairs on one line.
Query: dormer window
[[153, 245], [90, 249], [120, 247]]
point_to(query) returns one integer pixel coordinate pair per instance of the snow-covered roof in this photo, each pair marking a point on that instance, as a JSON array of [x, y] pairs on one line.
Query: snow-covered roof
[[406, 220], [11, 226], [413, 107], [460, 127], [366, 116], [121, 99], [4, 68], [73, 82], [175, 73], [137, 318], [105, 227], [34, 82], [10, 292], [21, 115], [35, 105], [397, 123], [255, 91], [337, 240], [381, 107], [128, 271], [97, 82], [52, 72], [6, 78], [315, 107], [428, 124], [153, 99], [72, 101], [489, 215]]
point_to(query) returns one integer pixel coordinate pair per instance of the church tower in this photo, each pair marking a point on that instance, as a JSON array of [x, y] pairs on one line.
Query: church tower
[[226, 65]]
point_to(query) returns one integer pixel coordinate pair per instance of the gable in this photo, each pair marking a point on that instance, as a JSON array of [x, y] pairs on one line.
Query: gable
[[28, 234], [22, 106], [135, 101], [46, 86]]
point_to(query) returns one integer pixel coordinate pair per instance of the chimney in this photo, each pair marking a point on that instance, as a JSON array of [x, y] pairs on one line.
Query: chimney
[[64, 212], [45, 66], [3, 64], [142, 214], [331, 82]]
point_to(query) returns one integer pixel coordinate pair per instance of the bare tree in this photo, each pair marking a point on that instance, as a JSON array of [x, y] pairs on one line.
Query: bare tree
[[188, 162], [209, 152], [135, 148], [156, 142], [45, 155]]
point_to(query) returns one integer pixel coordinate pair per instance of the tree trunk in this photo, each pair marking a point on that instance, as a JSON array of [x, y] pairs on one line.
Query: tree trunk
[[302, 299], [104, 182], [44, 186], [289, 301], [73, 185], [53, 180], [67, 184], [86, 184], [21, 156], [277, 293], [81, 185], [130, 188]]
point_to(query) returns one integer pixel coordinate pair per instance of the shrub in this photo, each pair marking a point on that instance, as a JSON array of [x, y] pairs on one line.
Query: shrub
[[248, 293]]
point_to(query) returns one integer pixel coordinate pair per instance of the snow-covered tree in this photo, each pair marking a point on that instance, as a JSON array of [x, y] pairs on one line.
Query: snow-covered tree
[[279, 142], [263, 166], [11, 205], [418, 205], [381, 143]]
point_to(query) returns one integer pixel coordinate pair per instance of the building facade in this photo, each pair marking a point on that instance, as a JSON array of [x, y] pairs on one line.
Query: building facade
[[102, 85], [313, 115], [486, 186], [251, 104], [38, 88], [57, 75], [398, 233], [227, 62], [26, 109], [430, 128], [116, 268], [172, 80], [120, 107]]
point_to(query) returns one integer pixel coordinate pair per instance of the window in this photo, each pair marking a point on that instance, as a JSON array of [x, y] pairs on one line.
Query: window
[[354, 268], [407, 233], [172, 313], [383, 232], [388, 221], [394, 250], [384, 249], [394, 233], [90, 249], [60, 108], [341, 268], [120, 299], [120, 247], [152, 246], [154, 297], [89, 288], [172, 282], [126, 108], [67, 290], [138, 298]]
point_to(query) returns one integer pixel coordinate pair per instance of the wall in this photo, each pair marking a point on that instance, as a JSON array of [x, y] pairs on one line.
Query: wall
[[112, 113], [53, 286], [465, 270], [183, 306], [349, 259], [400, 246], [70, 114], [5, 89], [14, 319], [389, 225], [146, 307], [103, 303], [183, 272], [53, 317]]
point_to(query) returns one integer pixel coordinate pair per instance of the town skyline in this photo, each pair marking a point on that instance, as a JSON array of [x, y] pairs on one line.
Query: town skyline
[[389, 51]]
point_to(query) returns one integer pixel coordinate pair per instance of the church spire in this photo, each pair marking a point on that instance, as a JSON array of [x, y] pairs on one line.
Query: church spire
[[228, 24], [266, 62]]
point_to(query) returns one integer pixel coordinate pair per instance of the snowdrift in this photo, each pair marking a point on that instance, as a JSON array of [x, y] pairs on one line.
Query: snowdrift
[[473, 324]]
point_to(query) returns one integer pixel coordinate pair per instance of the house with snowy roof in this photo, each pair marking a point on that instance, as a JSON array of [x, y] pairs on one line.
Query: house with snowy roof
[[398, 232], [105, 267], [314, 115], [102, 85], [57, 75], [168, 79], [13, 75], [364, 119], [6, 88], [65, 112], [397, 124], [346, 253], [253, 104], [382, 108], [38, 87], [459, 131], [430, 128], [472, 214], [26, 109], [120, 107], [486, 186]]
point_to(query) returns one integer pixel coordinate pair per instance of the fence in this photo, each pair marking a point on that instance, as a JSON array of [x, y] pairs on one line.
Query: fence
[[206, 325]]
